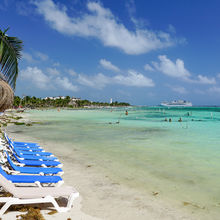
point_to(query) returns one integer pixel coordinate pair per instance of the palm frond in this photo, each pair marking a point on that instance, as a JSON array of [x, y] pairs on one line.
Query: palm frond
[[10, 53]]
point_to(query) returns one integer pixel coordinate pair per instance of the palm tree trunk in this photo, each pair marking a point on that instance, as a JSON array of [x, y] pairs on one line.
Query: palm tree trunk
[[6, 96]]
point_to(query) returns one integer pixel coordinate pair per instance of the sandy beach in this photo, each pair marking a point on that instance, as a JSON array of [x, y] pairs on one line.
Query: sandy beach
[[101, 197]]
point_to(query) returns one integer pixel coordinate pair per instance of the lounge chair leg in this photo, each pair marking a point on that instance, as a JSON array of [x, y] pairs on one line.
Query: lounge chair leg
[[71, 198], [6, 206], [56, 206], [69, 203]]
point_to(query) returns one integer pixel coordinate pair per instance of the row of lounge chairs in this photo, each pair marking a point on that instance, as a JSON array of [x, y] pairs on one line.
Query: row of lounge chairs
[[31, 175]]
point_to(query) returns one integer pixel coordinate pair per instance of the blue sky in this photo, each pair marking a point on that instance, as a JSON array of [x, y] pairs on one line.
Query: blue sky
[[141, 52]]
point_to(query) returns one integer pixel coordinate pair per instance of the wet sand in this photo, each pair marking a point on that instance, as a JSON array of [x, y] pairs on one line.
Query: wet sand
[[100, 196]]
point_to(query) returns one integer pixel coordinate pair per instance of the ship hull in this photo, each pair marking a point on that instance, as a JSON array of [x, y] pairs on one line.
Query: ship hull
[[170, 105]]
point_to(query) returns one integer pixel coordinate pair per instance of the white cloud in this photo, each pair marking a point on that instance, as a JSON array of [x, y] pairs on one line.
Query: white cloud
[[71, 72], [148, 67], [53, 71], [41, 56], [37, 77], [134, 79], [64, 83], [178, 70], [170, 68], [28, 57], [218, 75], [108, 65], [205, 80], [100, 23], [56, 64], [40, 80], [99, 81], [171, 28]]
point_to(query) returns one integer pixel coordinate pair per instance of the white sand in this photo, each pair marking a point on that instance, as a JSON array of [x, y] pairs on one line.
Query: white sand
[[100, 197]]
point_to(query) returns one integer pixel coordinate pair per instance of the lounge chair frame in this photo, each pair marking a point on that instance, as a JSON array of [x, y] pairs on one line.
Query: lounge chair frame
[[48, 199]]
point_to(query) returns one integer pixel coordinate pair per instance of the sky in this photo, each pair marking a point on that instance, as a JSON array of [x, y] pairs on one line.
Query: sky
[[141, 52]]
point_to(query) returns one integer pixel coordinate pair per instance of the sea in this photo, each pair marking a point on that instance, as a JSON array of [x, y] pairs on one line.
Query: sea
[[172, 152]]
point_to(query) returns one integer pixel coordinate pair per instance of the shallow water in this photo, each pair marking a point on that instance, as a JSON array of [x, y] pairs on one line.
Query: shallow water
[[180, 160]]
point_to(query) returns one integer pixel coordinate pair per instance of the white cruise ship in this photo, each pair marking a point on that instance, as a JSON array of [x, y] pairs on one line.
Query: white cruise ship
[[178, 103]]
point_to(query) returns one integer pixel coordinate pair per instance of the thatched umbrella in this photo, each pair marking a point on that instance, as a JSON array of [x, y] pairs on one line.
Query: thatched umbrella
[[10, 53], [6, 96]]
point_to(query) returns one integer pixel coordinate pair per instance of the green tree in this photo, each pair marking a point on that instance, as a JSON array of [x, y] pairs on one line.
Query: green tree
[[10, 53]]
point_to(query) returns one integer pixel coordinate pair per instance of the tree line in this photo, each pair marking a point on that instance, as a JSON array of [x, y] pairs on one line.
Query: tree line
[[34, 102]]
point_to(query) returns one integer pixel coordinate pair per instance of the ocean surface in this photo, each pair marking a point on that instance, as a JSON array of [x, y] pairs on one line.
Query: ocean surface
[[178, 160]]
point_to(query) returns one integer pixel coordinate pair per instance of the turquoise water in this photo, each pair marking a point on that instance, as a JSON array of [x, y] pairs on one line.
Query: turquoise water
[[180, 160]]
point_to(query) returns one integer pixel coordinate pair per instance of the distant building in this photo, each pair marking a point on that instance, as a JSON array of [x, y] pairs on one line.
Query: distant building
[[56, 97], [73, 101], [110, 101]]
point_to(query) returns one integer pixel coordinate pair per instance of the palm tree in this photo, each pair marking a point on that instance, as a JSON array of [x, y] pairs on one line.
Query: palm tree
[[10, 53]]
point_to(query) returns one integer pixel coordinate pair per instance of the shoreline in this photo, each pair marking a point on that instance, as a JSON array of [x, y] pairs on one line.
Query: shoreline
[[101, 196]]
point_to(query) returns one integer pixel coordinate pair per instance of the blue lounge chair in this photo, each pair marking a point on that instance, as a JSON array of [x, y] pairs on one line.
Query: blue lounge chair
[[34, 170], [29, 149], [37, 162], [25, 145], [30, 178], [32, 157], [26, 152], [16, 143]]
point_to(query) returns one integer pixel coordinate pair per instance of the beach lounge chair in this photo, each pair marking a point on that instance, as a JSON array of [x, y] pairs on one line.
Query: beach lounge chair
[[37, 162], [34, 195], [29, 152], [34, 170], [36, 179], [31, 146], [35, 157]]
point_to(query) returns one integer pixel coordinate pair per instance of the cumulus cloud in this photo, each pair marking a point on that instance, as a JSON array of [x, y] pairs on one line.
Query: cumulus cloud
[[98, 81], [132, 78], [148, 67], [100, 23], [177, 70], [71, 72], [36, 77], [34, 57], [41, 56], [40, 80], [173, 69], [65, 83], [108, 65], [56, 64], [205, 80], [53, 71], [28, 57], [171, 28]]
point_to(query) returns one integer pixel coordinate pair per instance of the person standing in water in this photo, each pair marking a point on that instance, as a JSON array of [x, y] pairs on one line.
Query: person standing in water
[[126, 112]]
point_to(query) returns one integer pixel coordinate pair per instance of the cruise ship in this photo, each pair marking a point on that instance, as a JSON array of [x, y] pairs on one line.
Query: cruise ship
[[178, 103]]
